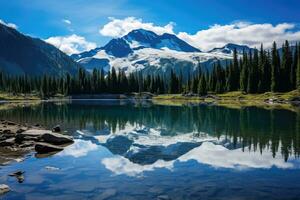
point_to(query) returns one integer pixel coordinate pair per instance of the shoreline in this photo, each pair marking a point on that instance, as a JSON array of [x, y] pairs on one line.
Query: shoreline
[[230, 99]]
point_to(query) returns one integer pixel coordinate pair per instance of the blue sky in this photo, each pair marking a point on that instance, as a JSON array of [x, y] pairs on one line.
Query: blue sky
[[44, 18]]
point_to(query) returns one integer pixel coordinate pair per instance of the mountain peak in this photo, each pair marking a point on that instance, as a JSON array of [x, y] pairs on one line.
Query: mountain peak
[[141, 38], [229, 48], [142, 32]]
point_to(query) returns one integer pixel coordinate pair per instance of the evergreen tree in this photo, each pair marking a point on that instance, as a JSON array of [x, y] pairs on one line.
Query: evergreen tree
[[286, 65], [294, 68], [275, 69], [244, 74], [298, 71], [202, 89]]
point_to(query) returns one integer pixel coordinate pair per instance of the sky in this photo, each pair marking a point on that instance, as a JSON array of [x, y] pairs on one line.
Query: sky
[[79, 25]]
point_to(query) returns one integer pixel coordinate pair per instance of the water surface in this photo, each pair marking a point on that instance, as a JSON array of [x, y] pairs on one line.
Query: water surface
[[126, 150]]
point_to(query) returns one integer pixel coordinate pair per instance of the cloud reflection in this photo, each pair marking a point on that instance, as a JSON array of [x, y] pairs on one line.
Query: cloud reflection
[[80, 148], [208, 153]]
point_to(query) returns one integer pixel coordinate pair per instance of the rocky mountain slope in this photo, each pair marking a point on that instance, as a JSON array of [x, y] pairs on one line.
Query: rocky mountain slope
[[21, 54]]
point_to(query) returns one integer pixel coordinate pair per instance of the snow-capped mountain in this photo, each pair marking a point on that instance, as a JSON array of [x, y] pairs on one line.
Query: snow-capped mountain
[[229, 48], [145, 51]]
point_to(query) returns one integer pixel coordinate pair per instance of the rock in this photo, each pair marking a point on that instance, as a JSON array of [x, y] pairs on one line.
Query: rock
[[215, 97], [19, 176], [106, 194], [7, 142], [31, 134], [46, 148], [56, 138], [190, 94], [10, 123], [17, 173], [6, 131], [56, 129], [4, 189], [50, 168], [35, 132], [20, 130], [26, 144], [163, 197]]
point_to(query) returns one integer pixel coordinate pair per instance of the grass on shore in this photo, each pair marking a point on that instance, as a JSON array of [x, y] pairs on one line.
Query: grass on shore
[[234, 99], [17, 97], [236, 95]]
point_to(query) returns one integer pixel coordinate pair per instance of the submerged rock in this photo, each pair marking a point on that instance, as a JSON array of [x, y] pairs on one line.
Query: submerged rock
[[50, 168], [19, 176], [46, 148], [163, 197], [4, 189], [17, 173], [56, 138]]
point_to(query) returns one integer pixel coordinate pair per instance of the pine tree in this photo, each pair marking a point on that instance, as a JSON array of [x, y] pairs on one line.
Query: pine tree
[[275, 69], [294, 68], [230, 78], [285, 68], [202, 89], [244, 73], [236, 71], [298, 71]]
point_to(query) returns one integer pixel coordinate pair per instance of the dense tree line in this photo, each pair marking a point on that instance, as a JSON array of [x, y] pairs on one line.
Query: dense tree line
[[257, 71]]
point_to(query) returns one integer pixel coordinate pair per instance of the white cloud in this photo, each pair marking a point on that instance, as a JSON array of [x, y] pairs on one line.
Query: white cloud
[[120, 27], [67, 21], [71, 44], [11, 25], [241, 33]]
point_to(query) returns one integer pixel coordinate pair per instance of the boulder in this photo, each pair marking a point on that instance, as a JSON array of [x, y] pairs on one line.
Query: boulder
[[56, 129], [31, 134], [4, 189], [7, 142], [34, 132], [46, 148], [56, 138]]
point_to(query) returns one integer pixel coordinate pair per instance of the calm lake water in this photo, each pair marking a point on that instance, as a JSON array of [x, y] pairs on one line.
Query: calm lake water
[[125, 150]]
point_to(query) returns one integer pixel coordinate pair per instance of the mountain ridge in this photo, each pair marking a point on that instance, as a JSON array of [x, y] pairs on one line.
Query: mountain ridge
[[149, 53], [23, 55]]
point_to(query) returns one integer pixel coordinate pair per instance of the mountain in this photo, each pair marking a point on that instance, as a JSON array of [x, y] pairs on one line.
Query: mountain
[[229, 48], [21, 54], [145, 51], [141, 38]]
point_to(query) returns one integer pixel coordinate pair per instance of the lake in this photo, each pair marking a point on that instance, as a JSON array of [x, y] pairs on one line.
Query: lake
[[141, 150]]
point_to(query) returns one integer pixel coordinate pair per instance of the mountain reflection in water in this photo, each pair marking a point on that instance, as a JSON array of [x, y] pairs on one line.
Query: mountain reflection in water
[[124, 150]]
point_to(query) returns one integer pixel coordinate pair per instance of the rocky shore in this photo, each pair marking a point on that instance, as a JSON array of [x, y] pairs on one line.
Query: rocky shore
[[17, 140]]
